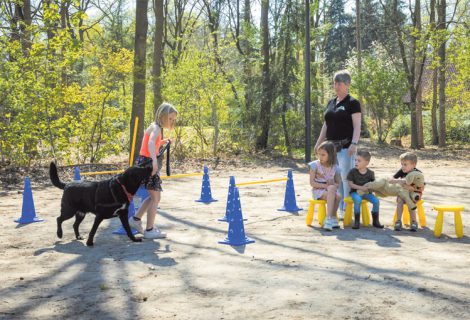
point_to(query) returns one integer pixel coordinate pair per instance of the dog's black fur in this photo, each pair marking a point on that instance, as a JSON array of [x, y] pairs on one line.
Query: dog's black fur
[[106, 199]]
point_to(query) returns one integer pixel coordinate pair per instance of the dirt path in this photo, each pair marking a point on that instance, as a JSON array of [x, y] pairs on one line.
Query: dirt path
[[291, 272]]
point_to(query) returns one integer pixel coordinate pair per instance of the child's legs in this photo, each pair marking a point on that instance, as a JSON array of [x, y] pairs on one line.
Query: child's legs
[[357, 202], [374, 200], [345, 163], [332, 200], [143, 208], [400, 203], [152, 208]]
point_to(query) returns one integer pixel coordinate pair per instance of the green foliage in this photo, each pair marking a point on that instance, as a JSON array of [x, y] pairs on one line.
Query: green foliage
[[401, 127], [382, 86], [62, 100], [203, 99], [458, 90]]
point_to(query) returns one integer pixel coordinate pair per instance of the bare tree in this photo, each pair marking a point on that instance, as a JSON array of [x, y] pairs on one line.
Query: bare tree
[[265, 111], [441, 13], [158, 54], [140, 50]]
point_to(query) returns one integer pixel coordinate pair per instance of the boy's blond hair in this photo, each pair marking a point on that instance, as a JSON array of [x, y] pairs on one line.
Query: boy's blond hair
[[409, 156]]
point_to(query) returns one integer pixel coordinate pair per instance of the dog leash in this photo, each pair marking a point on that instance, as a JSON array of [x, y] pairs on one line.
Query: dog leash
[[128, 194], [160, 154]]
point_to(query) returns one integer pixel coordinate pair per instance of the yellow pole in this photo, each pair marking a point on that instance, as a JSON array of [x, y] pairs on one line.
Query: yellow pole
[[259, 182], [182, 175], [100, 172], [136, 122]]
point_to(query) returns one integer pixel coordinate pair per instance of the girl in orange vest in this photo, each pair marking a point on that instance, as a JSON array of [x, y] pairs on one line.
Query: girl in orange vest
[[165, 117]]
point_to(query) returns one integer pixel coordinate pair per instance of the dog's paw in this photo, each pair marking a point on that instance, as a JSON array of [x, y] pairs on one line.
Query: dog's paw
[[89, 243], [59, 234], [137, 240], [80, 238]]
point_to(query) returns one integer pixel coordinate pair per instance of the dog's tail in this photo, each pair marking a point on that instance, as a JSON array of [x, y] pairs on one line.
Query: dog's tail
[[55, 177]]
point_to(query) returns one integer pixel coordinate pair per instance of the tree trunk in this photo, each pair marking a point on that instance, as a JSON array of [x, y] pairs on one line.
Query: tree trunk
[[364, 130], [435, 133], [25, 28], [308, 105], [419, 94], [285, 83], [140, 50], [249, 114], [265, 112], [157, 55], [442, 74]]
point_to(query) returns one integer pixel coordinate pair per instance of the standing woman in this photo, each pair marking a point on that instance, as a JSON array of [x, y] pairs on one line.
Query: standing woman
[[165, 117], [342, 126]]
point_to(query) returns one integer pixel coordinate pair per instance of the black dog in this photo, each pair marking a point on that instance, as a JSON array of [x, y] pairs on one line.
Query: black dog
[[106, 199]]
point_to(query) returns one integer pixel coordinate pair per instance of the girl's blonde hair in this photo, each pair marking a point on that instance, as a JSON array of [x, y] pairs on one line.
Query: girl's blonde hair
[[329, 147], [164, 110]]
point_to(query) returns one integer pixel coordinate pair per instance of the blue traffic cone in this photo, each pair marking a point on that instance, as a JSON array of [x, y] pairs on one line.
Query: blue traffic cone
[[76, 174], [289, 199], [206, 194], [130, 213], [139, 197], [28, 213], [236, 230], [228, 208]]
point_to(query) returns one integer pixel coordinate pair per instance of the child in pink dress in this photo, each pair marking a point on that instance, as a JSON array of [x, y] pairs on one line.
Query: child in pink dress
[[325, 179]]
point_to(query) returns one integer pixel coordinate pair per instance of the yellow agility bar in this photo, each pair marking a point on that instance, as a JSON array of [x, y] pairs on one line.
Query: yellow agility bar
[[136, 122], [182, 175], [100, 172], [259, 182]]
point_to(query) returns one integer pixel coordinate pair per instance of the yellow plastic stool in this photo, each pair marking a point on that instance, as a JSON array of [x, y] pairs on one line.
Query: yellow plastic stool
[[348, 213], [321, 211], [456, 209], [406, 214]]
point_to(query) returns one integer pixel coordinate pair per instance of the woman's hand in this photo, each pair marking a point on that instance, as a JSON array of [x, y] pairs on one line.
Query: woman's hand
[[352, 149]]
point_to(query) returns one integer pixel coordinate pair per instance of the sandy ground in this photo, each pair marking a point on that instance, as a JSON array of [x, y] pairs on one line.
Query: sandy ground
[[291, 272]]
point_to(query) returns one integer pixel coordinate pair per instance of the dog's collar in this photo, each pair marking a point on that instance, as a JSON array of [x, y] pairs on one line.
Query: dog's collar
[[128, 194]]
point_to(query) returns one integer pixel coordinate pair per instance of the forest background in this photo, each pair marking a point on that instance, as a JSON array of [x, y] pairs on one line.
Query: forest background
[[75, 74]]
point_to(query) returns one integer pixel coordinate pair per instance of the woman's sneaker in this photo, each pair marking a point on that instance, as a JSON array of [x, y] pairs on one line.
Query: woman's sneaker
[[414, 226], [136, 225], [328, 225], [155, 233]]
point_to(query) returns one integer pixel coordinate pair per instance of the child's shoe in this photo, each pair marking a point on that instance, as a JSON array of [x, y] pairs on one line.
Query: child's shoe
[[357, 221], [155, 233], [328, 224], [375, 219], [341, 215], [334, 223], [398, 225], [136, 225], [414, 226]]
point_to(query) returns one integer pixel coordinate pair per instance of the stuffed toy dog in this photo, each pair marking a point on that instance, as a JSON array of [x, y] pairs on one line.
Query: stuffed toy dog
[[384, 189]]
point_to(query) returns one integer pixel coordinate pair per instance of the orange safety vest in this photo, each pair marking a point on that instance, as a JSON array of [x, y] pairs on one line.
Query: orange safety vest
[[144, 149]]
